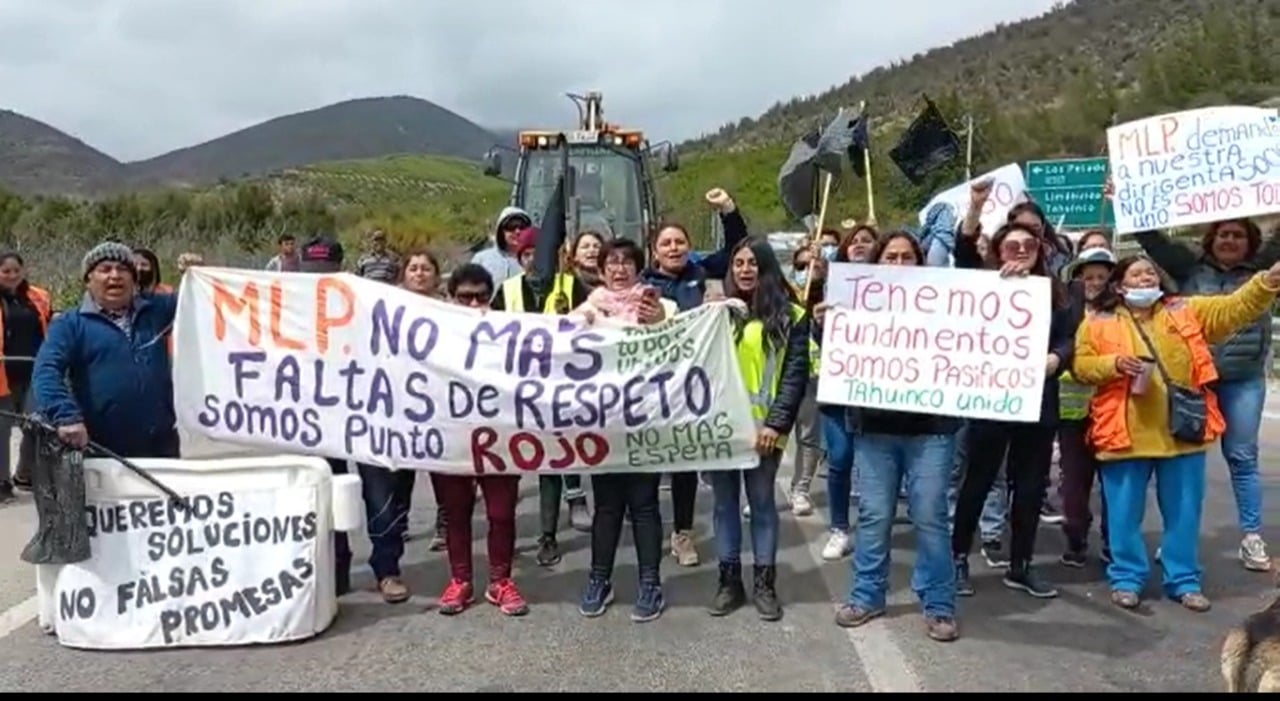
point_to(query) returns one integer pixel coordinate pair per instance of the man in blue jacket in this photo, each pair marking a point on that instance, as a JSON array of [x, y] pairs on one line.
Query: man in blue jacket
[[103, 372]]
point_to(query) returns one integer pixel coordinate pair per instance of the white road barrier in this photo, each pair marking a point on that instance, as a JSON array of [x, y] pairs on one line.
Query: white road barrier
[[251, 560]]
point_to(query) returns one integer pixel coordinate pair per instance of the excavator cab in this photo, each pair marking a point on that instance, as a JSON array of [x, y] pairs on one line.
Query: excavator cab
[[611, 184]]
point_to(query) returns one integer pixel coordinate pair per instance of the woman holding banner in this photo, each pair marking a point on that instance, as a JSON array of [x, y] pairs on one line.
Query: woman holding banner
[[772, 334], [893, 448], [683, 281], [472, 286], [388, 493], [1156, 411], [625, 298], [1025, 448]]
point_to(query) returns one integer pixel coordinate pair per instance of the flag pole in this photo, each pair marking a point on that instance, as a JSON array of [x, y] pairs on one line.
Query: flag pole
[[871, 195], [817, 233], [968, 149], [1102, 211]]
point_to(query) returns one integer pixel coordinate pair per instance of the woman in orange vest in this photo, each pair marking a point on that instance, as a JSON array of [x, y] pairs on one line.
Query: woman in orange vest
[[24, 318], [1140, 342]]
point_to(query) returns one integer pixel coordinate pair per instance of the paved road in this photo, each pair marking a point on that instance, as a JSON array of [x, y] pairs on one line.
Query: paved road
[[1078, 643]]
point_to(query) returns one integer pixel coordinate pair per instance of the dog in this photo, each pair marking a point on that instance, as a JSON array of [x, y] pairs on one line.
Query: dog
[[1251, 653]]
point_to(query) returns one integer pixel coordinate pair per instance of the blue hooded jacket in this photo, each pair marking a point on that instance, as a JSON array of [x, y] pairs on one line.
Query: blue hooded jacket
[[121, 388], [688, 287]]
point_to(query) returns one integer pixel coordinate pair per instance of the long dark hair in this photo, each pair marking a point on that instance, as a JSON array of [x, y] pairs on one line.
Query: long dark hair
[[21, 290], [770, 302], [1110, 298], [154, 261], [1057, 290]]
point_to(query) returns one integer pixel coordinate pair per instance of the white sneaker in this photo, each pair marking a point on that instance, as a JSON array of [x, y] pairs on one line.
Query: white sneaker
[[838, 546], [1253, 553], [801, 505], [746, 511]]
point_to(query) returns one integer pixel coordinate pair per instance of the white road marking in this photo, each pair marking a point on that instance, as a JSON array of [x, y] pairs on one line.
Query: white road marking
[[18, 616], [883, 661]]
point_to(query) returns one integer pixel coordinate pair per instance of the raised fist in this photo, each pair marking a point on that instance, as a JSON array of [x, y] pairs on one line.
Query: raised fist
[[720, 200]]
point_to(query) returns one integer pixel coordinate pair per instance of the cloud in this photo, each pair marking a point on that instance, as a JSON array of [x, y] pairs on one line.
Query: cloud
[[136, 78]]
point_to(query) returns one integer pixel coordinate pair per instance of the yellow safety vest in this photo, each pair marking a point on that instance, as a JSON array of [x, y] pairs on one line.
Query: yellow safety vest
[[760, 367], [1073, 398], [513, 293]]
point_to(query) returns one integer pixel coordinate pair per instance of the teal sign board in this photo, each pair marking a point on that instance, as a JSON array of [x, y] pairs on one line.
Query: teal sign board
[[1070, 191]]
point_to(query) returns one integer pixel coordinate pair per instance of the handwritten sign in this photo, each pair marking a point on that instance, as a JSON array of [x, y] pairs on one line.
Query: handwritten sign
[[236, 565], [338, 366], [1194, 167], [935, 341], [1007, 190]]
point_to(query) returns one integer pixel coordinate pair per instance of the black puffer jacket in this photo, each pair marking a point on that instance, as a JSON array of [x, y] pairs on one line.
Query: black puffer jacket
[[794, 381]]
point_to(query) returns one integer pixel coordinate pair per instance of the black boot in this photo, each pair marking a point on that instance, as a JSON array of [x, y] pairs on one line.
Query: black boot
[[731, 595], [341, 565], [1021, 576], [963, 586], [764, 594]]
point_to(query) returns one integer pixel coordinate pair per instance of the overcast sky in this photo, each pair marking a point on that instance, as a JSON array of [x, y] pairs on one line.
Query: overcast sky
[[136, 78]]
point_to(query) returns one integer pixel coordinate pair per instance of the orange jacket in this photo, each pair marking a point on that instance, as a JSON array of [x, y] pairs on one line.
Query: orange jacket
[[39, 299], [1109, 334]]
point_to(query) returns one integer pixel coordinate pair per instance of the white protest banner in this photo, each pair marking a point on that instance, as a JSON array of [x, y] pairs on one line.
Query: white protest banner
[[1007, 190], [935, 341], [348, 368], [240, 567], [1194, 167]]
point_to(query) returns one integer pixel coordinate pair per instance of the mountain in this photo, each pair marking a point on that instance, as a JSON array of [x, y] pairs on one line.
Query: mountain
[[1021, 64], [355, 129], [1046, 87], [36, 158]]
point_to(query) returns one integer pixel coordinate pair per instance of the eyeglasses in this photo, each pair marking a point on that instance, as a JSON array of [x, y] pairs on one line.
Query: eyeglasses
[[470, 298], [1024, 246]]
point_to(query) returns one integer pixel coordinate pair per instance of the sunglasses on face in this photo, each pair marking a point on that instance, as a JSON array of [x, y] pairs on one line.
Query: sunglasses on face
[[469, 298], [1027, 246]]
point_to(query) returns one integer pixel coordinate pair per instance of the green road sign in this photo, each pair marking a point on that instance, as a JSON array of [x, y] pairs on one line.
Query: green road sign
[[1070, 191]]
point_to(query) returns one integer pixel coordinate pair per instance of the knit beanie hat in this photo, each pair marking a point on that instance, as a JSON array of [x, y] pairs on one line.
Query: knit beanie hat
[[109, 251], [526, 239]]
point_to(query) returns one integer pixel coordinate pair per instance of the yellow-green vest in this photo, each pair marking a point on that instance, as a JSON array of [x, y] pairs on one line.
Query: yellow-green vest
[[1073, 398], [513, 293], [761, 370]]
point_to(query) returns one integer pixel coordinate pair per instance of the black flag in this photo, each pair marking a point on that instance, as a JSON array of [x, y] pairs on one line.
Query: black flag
[[552, 234], [926, 145], [817, 152]]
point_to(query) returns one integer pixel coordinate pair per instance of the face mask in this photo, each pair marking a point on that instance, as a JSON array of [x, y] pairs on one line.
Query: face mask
[[146, 277], [1143, 297], [800, 277], [829, 252]]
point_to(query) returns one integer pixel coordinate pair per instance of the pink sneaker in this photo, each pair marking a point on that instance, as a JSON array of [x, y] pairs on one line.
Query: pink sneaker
[[506, 597], [457, 597]]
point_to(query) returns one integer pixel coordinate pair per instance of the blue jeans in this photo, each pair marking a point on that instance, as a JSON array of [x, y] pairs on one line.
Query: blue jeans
[[727, 486], [925, 464], [1241, 403], [838, 441], [387, 496], [995, 512], [1180, 494]]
